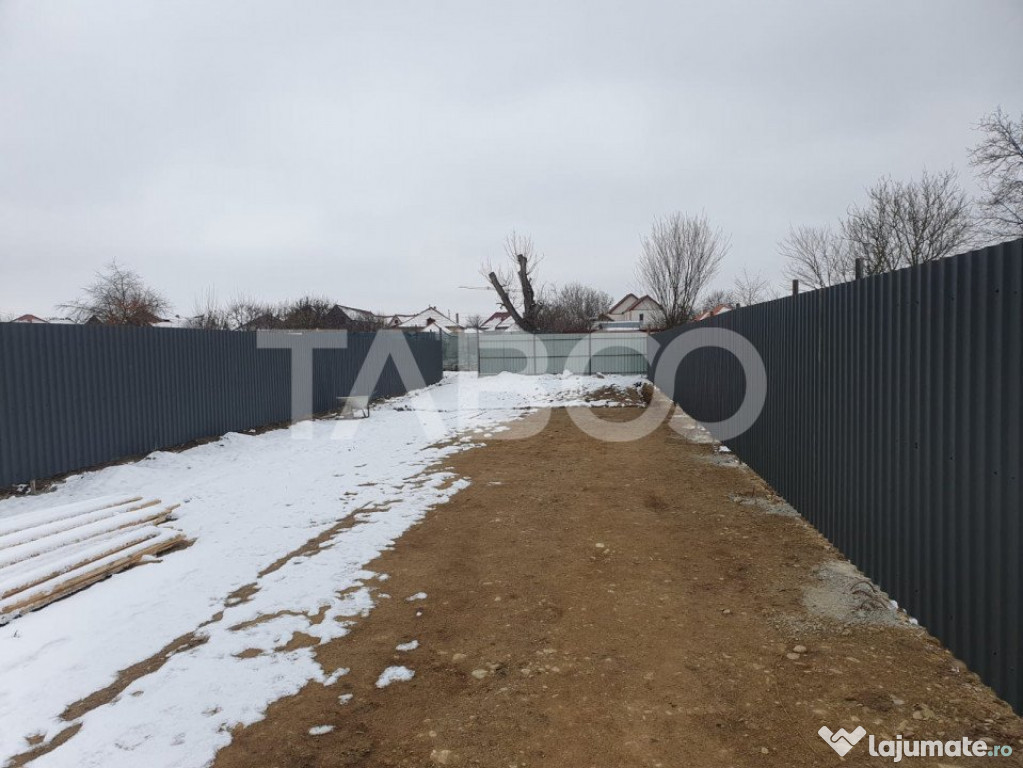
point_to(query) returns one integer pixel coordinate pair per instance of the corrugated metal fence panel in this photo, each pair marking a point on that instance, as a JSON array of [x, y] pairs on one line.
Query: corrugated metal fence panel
[[76, 396], [507, 352], [584, 353], [893, 424], [461, 351]]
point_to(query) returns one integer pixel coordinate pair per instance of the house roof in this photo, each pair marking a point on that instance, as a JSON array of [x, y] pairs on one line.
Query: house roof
[[498, 321], [711, 312], [356, 310], [630, 302], [412, 320], [497, 316], [629, 298], [266, 321], [641, 299], [142, 318], [29, 319]]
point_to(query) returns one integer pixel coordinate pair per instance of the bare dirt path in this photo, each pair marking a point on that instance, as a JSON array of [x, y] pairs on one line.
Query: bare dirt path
[[629, 604]]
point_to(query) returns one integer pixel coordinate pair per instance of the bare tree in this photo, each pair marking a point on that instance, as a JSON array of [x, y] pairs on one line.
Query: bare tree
[[367, 321], [998, 159], [474, 321], [680, 256], [905, 224], [749, 288], [817, 257], [523, 255], [207, 314], [573, 308], [118, 296], [248, 314], [713, 299], [313, 313]]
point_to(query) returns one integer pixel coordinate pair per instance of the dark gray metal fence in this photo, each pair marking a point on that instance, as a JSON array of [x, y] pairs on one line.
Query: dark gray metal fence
[[893, 424], [76, 396]]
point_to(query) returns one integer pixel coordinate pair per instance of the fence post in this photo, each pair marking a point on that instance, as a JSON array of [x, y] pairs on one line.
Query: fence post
[[859, 268], [795, 287]]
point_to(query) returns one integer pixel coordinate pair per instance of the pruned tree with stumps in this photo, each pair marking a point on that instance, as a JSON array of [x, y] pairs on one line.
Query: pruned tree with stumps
[[517, 280]]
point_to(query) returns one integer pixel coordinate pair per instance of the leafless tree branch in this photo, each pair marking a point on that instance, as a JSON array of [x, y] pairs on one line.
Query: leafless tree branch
[[680, 257], [816, 257], [998, 159], [904, 224], [749, 288], [118, 296]]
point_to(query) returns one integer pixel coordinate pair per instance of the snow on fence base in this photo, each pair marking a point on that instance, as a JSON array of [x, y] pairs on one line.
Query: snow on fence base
[[49, 554]]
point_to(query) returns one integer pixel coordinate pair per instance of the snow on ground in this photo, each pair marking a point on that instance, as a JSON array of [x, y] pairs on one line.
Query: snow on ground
[[394, 675], [249, 502]]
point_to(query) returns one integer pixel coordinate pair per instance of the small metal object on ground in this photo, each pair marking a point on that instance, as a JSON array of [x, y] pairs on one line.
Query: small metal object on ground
[[353, 404]]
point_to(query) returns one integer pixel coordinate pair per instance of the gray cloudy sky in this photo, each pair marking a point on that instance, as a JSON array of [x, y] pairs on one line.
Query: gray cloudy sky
[[378, 152]]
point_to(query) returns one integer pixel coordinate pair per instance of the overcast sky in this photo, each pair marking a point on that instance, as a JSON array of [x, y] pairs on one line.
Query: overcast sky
[[378, 152]]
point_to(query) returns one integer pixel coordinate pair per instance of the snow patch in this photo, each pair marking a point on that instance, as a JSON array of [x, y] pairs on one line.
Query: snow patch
[[337, 675], [394, 675], [251, 503]]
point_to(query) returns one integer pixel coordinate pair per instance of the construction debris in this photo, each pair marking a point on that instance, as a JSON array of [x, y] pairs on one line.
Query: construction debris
[[49, 554]]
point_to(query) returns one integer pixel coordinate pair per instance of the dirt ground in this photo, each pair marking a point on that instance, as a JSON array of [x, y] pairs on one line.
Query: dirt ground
[[621, 604]]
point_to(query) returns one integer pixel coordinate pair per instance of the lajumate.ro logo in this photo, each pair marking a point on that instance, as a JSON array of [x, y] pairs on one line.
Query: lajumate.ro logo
[[842, 741]]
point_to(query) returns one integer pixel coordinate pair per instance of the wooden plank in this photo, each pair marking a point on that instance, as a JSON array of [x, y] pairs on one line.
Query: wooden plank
[[23, 520], [45, 567], [17, 554], [78, 579], [24, 535]]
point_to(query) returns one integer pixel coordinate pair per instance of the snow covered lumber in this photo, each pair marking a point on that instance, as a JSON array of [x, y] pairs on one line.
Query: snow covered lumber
[[49, 554], [42, 516]]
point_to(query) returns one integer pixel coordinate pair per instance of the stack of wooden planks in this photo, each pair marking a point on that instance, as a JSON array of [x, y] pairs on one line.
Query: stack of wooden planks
[[48, 554]]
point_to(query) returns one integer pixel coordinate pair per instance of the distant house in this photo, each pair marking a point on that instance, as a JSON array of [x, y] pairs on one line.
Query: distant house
[[309, 317], [632, 313], [499, 321], [712, 312], [350, 317], [430, 319], [29, 319], [264, 322], [143, 318]]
